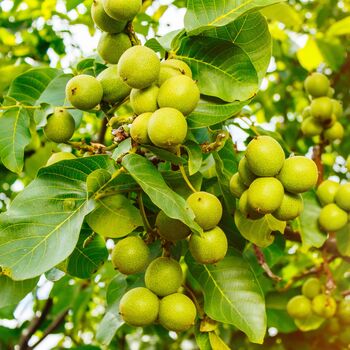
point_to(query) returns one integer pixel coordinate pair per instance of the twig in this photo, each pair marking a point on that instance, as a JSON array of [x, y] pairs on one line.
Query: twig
[[345, 293], [194, 299], [312, 271], [317, 158], [330, 284], [221, 138], [103, 129], [183, 173], [262, 262], [35, 324], [53, 326], [143, 213]]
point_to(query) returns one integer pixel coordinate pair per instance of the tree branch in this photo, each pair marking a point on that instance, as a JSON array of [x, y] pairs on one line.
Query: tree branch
[[103, 129], [262, 262], [34, 325], [53, 326]]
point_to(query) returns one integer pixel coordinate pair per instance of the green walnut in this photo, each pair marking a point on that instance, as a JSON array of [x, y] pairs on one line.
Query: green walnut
[[290, 208], [163, 276], [84, 92], [326, 191], [139, 307], [210, 247], [59, 156], [317, 85], [322, 109], [343, 312], [344, 336], [171, 229], [245, 173], [111, 46], [237, 186], [139, 128], [337, 108], [177, 312], [60, 126], [245, 208], [311, 127], [139, 67], [265, 195], [299, 174], [103, 21], [167, 128], [335, 132], [114, 88], [144, 100], [265, 156], [332, 218], [207, 209], [299, 307], [331, 92], [311, 288], [122, 10], [171, 68], [130, 255], [180, 92], [306, 112], [342, 197], [324, 305]]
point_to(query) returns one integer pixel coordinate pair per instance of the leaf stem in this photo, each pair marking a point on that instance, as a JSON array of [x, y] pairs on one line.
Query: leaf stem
[[195, 301], [143, 213], [183, 173]]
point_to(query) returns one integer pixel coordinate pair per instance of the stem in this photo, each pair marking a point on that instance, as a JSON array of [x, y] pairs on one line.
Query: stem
[[143, 213], [330, 284], [35, 325], [111, 111], [53, 325], [183, 173], [195, 301], [250, 125], [132, 35], [103, 129], [4, 108], [317, 158], [261, 259]]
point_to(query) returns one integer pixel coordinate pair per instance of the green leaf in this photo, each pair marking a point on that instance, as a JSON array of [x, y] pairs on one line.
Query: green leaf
[[151, 181], [88, 256], [202, 340], [72, 4], [195, 157], [12, 292], [216, 342], [285, 14], [166, 155], [14, 137], [41, 227], [258, 231], [343, 240], [222, 68], [200, 16], [209, 112], [251, 34], [232, 294], [114, 217], [97, 179], [29, 86], [226, 165], [123, 148], [307, 223], [341, 27]]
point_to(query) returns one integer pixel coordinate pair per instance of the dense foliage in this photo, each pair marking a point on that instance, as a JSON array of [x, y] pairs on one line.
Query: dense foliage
[[174, 189]]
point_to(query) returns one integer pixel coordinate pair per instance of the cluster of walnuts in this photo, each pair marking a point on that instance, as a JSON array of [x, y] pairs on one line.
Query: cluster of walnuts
[[335, 200], [321, 117], [267, 183], [160, 299], [315, 304]]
